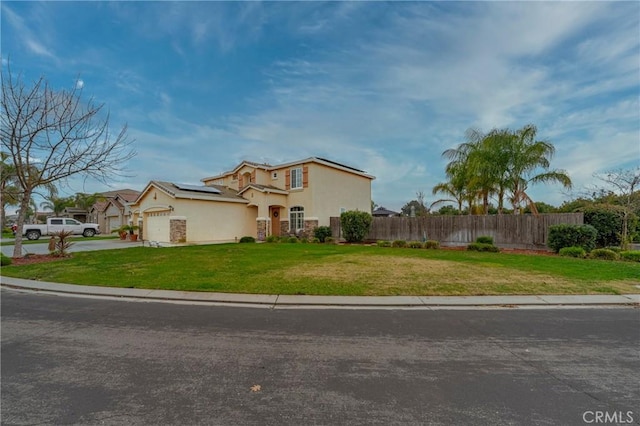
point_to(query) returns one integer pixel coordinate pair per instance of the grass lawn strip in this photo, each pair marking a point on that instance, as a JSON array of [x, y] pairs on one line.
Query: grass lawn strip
[[336, 270]]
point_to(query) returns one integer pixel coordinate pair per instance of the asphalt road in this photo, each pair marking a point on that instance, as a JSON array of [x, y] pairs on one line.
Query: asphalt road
[[85, 361]]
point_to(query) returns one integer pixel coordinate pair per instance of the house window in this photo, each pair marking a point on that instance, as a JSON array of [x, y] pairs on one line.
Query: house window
[[296, 218], [274, 175], [296, 178]]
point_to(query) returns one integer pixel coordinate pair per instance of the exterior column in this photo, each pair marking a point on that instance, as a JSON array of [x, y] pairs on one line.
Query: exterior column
[[309, 225], [284, 228], [177, 229], [262, 224]]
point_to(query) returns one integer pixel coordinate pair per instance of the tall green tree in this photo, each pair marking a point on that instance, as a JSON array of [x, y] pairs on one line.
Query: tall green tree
[[501, 164], [529, 164], [626, 191], [57, 204], [8, 186], [471, 166]]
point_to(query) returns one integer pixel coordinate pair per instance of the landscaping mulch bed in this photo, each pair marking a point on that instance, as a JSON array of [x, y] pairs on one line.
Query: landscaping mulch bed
[[507, 250], [35, 258]]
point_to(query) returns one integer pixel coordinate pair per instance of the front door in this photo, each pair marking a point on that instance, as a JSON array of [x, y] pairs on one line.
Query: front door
[[275, 220]]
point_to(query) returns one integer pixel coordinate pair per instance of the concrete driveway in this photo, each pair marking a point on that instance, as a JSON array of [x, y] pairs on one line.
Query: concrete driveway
[[79, 244]]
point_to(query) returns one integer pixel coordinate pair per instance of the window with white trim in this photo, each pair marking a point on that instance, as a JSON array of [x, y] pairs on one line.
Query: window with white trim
[[296, 219], [296, 178]]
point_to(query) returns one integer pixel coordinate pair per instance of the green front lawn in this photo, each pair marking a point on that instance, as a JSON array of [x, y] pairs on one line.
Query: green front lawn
[[336, 270]]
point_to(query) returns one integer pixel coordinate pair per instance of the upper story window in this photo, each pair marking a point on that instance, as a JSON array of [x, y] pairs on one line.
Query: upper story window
[[296, 178]]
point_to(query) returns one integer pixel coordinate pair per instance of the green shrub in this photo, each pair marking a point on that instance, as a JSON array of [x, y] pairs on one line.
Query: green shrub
[[355, 225], [399, 243], [329, 240], [604, 254], [304, 240], [272, 239], [607, 222], [630, 256], [383, 243], [432, 244], [483, 247], [322, 232], [5, 260], [485, 239], [315, 240], [561, 236], [415, 244], [614, 248], [292, 240], [284, 239], [247, 239], [572, 252]]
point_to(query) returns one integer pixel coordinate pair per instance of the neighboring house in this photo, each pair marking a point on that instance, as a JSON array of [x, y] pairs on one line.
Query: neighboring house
[[75, 213], [382, 212], [252, 200], [113, 210]]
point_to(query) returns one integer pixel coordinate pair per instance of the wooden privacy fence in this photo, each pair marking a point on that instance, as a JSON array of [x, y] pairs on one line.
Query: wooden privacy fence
[[509, 231]]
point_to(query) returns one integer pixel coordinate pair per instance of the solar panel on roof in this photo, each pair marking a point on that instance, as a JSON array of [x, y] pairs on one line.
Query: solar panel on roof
[[198, 188]]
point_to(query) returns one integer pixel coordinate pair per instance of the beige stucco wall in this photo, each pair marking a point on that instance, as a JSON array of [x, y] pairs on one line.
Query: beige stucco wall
[[207, 221], [332, 190], [217, 221]]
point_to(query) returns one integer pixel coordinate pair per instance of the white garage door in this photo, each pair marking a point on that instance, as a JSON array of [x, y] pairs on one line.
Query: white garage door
[[157, 227]]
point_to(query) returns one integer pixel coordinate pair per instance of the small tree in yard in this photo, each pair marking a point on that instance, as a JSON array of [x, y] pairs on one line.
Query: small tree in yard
[[50, 136], [626, 184], [61, 243], [355, 225]]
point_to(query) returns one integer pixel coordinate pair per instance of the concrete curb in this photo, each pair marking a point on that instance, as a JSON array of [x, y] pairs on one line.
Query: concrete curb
[[291, 301]]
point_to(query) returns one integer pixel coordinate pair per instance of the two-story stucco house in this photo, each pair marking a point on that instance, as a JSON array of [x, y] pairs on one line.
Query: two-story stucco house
[[252, 199]]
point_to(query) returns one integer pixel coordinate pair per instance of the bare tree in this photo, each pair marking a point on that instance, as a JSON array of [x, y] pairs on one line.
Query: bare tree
[[624, 184], [52, 135]]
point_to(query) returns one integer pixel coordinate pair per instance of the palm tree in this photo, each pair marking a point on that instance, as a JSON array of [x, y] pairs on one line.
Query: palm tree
[[472, 165], [527, 157], [455, 187], [56, 204], [8, 187], [86, 201]]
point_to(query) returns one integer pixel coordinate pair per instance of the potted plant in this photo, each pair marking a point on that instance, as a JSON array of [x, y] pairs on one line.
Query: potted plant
[[130, 229], [121, 231]]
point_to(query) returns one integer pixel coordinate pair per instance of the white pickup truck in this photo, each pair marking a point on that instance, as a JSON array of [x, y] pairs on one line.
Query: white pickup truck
[[57, 224]]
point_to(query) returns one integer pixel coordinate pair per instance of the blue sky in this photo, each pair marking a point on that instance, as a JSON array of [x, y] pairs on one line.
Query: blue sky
[[384, 87]]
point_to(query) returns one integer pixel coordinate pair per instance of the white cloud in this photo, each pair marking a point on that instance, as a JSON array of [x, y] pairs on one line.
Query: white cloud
[[31, 42], [387, 87]]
